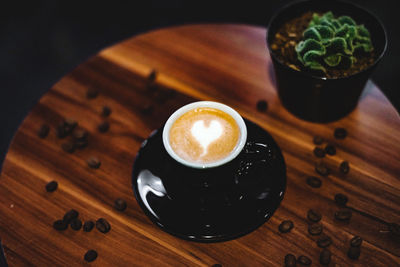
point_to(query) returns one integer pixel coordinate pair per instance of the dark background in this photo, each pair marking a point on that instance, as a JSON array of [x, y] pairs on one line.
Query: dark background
[[41, 41]]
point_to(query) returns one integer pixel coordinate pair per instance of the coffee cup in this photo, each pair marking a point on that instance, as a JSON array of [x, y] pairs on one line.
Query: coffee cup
[[204, 134]]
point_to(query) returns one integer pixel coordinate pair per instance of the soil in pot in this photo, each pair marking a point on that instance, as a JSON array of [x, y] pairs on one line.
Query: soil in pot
[[291, 33]]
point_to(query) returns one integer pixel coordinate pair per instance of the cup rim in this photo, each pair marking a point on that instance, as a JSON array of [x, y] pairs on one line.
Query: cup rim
[[211, 104]]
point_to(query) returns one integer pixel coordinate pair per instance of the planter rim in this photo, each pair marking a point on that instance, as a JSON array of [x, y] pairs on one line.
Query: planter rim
[[323, 78]]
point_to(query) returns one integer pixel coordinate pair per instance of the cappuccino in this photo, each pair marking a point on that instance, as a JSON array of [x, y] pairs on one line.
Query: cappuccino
[[204, 135]]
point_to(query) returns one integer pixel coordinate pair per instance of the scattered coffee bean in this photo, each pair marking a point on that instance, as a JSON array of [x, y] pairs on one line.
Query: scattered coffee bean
[[324, 241], [322, 169], [314, 182], [330, 149], [90, 255], [341, 199], [76, 224], [354, 253], [93, 162], [103, 127], [356, 241], [70, 124], [343, 215], [80, 134], [152, 76], [290, 260], [325, 257], [394, 228], [103, 226], [81, 143], [92, 93], [262, 105], [60, 225], [61, 131], [314, 215], [120, 204], [304, 260], [319, 152], [318, 140], [217, 265], [51, 186], [344, 167], [315, 229], [88, 226], [70, 215], [106, 111], [43, 131], [340, 133], [285, 226], [68, 146]]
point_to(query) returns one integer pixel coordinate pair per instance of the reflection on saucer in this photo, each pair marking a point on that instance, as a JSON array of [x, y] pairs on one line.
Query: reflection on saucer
[[148, 182]]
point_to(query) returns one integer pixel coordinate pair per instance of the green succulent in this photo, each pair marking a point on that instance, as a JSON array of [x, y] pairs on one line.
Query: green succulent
[[332, 42]]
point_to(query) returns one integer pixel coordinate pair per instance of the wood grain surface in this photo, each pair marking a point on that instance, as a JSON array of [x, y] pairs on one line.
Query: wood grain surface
[[225, 63]]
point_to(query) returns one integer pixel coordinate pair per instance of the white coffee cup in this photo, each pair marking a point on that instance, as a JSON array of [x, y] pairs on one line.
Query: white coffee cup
[[205, 104]]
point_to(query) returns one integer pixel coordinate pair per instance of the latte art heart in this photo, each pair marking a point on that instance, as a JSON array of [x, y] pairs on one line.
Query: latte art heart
[[206, 135]]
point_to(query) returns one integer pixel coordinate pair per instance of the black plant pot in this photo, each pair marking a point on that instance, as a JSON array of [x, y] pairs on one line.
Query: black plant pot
[[321, 99]]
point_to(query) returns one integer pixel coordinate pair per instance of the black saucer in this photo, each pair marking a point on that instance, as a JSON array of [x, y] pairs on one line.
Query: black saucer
[[216, 204]]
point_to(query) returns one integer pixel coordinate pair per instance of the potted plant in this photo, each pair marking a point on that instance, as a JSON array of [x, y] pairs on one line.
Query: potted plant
[[323, 53]]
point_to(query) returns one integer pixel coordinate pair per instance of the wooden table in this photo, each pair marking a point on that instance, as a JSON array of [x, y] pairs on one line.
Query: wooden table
[[226, 63]]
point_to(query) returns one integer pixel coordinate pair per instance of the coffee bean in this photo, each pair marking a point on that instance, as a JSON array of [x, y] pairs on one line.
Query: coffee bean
[[217, 265], [80, 134], [304, 260], [325, 257], [354, 253], [356, 241], [322, 169], [290, 260], [81, 143], [343, 215], [51, 186], [61, 131], [43, 131], [318, 140], [285, 226], [103, 127], [90, 255], [315, 229], [324, 241], [394, 228], [120, 204], [103, 226], [93, 162], [262, 105], [340, 133], [88, 226], [314, 182], [330, 149], [92, 93], [314, 215], [344, 167], [319, 152], [70, 123], [106, 111], [152, 76], [68, 146], [60, 225], [341, 199], [76, 224], [70, 215]]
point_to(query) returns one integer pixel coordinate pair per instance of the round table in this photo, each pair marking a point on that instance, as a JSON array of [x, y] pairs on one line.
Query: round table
[[225, 63]]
